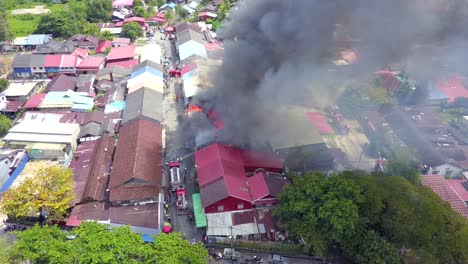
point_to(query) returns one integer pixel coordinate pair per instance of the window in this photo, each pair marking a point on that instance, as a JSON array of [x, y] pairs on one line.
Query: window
[[41, 68], [240, 206], [34, 68], [220, 208]]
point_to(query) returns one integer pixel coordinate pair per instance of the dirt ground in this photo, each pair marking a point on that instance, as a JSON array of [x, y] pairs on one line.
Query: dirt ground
[[31, 168], [6, 61], [37, 10]]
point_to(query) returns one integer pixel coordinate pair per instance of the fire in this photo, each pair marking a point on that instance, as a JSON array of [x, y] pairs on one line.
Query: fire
[[194, 108]]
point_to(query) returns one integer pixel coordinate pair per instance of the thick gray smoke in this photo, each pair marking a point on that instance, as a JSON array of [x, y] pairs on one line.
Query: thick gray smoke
[[280, 52]]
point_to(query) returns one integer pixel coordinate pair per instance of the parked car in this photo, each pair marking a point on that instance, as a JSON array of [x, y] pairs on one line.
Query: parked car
[[277, 259]]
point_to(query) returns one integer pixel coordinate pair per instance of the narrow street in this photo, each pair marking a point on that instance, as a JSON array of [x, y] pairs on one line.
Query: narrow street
[[174, 116]]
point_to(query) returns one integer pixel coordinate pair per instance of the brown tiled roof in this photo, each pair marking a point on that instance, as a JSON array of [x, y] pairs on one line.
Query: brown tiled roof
[[134, 193], [81, 166], [138, 157], [90, 211], [140, 215], [100, 169]]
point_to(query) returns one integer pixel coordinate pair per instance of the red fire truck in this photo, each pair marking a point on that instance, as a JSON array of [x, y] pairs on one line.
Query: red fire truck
[[181, 201]]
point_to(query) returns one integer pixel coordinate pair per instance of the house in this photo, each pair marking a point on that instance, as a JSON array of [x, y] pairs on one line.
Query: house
[[452, 191], [22, 91], [12, 163], [120, 42], [139, 20], [222, 176], [145, 219], [55, 47], [55, 64], [103, 46], [122, 3], [144, 103], [54, 117], [32, 41], [28, 66], [117, 16], [35, 101], [151, 52], [190, 76], [190, 43], [203, 16], [80, 53], [390, 80], [91, 126], [75, 101], [122, 56], [111, 28], [91, 165], [147, 74], [85, 41], [159, 19], [137, 173], [265, 187], [10, 108], [90, 65], [44, 140], [453, 88], [113, 73], [61, 83], [85, 84]]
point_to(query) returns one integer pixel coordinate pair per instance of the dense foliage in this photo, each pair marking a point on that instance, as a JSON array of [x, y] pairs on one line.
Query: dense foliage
[[96, 243], [4, 30], [372, 217], [132, 31], [5, 125], [50, 191], [59, 24]]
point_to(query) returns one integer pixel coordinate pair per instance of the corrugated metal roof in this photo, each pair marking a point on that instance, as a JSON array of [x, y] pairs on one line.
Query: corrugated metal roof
[[192, 48], [143, 103]]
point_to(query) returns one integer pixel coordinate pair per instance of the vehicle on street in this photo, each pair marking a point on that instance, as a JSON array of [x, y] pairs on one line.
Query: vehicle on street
[[231, 254], [176, 179], [277, 259], [181, 202]]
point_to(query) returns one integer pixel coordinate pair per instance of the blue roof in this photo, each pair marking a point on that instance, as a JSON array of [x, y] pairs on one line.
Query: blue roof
[[114, 107], [147, 69], [172, 5], [436, 94], [69, 96], [37, 39], [193, 5]]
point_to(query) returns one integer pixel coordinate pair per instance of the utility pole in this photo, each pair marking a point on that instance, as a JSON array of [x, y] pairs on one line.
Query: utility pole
[[232, 244]]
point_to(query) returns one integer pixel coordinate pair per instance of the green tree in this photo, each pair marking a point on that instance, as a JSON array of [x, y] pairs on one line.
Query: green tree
[[4, 83], [171, 248], [99, 10], [96, 243], [139, 11], [5, 249], [41, 245], [90, 29], [80, 9], [323, 210], [169, 16], [50, 191], [158, 3], [132, 31], [403, 163], [4, 29], [5, 125], [60, 24], [106, 35], [181, 12]]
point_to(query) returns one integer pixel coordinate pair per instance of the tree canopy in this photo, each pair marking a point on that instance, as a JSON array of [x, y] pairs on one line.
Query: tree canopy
[[4, 83], [61, 24], [371, 217], [132, 31], [5, 125], [4, 30], [50, 191], [97, 243]]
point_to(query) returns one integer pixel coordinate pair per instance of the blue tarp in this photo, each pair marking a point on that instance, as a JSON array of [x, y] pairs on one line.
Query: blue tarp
[[147, 238], [15, 174], [114, 107], [172, 5]]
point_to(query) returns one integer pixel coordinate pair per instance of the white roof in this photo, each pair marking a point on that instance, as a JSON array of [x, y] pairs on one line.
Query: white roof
[[20, 88], [114, 30], [190, 48], [219, 224], [38, 131], [191, 86], [149, 52]]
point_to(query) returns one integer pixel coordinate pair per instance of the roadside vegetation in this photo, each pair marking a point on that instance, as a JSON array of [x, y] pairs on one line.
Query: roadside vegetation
[[98, 243], [373, 219]]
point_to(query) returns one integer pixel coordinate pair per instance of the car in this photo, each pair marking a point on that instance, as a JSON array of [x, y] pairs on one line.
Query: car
[[277, 259], [162, 30]]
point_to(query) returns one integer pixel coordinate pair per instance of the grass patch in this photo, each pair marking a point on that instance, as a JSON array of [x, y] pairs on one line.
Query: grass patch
[[23, 25]]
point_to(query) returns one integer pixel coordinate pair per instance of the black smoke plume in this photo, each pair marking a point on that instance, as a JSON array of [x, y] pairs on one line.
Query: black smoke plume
[[280, 51]]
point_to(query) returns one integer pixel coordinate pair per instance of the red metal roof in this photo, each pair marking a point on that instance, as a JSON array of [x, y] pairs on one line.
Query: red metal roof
[[80, 164], [13, 106], [267, 160], [80, 52], [453, 88], [93, 63], [35, 100], [157, 19], [52, 61], [264, 184], [146, 215], [103, 45], [134, 19], [124, 63], [89, 211], [69, 61], [439, 185], [61, 83], [118, 53], [320, 122], [389, 80]]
